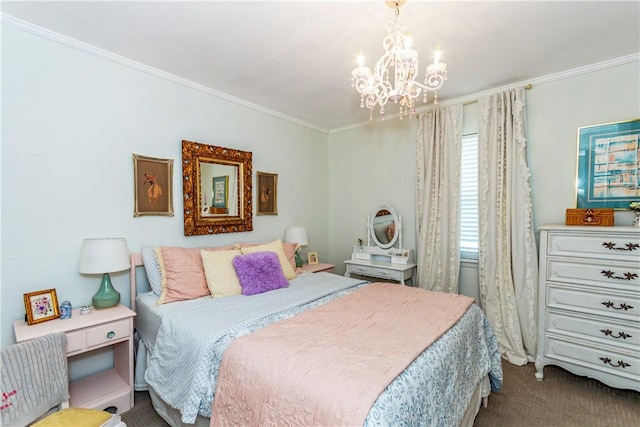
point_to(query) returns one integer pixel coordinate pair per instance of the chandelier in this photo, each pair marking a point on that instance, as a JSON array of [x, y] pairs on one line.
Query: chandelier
[[377, 89]]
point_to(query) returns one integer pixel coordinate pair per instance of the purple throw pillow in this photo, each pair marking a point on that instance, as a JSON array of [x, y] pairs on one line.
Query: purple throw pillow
[[259, 272]]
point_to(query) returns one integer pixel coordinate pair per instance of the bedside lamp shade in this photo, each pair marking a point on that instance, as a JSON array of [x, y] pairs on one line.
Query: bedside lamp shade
[[297, 235], [104, 256]]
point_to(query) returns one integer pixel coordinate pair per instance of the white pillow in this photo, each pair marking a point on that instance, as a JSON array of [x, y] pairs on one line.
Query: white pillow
[[152, 268]]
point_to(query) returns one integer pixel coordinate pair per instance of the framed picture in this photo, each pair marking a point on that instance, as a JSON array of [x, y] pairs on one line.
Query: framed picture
[[608, 174], [312, 257], [153, 186], [220, 197], [41, 306], [267, 193]]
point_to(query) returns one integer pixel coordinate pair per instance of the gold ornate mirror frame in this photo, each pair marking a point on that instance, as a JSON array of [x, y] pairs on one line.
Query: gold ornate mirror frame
[[199, 219]]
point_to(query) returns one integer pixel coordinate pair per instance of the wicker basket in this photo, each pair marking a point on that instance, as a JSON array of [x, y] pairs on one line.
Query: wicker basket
[[589, 216]]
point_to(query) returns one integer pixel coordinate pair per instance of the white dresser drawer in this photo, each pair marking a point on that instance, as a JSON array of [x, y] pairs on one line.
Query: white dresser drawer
[[608, 331], [112, 332], [377, 272], [599, 246], [624, 276], [606, 360], [620, 305]]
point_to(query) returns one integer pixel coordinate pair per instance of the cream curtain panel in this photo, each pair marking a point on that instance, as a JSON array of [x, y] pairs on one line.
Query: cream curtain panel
[[507, 255], [438, 145]]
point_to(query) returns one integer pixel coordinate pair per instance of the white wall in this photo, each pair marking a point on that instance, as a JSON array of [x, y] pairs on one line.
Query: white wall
[[376, 164], [70, 123]]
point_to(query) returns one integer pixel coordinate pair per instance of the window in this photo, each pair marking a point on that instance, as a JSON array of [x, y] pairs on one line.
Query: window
[[469, 198]]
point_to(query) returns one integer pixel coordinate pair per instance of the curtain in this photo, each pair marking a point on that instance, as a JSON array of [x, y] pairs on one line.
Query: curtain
[[438, 145], [507, 256]]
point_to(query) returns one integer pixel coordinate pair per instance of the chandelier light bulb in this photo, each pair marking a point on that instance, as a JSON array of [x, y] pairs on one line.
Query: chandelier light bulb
[[360, 59], [437, 55], [393, 77]]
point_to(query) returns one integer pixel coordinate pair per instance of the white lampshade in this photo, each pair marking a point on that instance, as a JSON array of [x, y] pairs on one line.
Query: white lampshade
[[99, 256], [296, 235]]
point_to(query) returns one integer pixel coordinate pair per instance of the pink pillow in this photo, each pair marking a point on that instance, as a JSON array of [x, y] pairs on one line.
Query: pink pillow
[[259, 272], [290, 252], [182, 273]]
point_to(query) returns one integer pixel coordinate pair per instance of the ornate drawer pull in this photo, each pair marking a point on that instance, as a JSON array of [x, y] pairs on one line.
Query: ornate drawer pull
[[627, 246], [620, 364], [111, 334], [611, 275], [609, 333], [623, 306]]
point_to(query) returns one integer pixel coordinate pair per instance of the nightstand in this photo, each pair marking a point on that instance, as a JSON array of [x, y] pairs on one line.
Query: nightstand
[[316, 268], [85, 333]]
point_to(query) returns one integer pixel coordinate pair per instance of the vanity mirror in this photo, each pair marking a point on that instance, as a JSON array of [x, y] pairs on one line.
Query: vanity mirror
[[217, 189], [384, 227]]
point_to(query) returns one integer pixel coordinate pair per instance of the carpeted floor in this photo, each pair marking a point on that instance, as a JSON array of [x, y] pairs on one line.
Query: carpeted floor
[[561, 400]]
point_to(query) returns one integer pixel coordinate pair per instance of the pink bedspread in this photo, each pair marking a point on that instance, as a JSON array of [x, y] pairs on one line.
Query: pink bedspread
[[328, 365]]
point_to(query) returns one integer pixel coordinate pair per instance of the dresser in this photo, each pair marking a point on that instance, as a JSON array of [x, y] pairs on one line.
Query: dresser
[[589, 303]]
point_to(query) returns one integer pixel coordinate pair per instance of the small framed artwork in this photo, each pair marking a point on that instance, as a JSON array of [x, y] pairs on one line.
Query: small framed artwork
[[220, 191], [153, 186], [267, 193], [312, 257], [608, 171], [41, 306]]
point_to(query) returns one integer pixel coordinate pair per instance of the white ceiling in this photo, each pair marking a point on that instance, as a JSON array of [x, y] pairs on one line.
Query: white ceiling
[[295, 57]]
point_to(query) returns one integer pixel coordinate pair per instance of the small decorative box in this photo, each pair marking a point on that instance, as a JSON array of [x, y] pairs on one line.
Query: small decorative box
[[590, 217]]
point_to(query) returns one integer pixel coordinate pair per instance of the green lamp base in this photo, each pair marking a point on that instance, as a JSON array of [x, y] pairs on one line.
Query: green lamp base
[[299, 261], [106, 296]]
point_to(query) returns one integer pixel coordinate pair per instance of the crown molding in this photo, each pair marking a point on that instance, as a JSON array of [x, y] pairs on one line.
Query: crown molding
[[105, 54]]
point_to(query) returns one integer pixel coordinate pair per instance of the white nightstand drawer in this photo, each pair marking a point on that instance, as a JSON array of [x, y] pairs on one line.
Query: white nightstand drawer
[[115, 331]]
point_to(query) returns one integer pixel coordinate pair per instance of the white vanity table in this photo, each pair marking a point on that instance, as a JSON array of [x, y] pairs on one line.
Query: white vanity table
[[382, 260]]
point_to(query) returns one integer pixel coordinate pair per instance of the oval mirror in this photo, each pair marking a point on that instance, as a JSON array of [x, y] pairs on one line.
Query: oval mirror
[[217, 188], [384, 227]]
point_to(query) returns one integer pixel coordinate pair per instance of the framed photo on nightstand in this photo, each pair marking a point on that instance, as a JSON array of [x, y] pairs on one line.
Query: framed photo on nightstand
[[312, 257], [41, 306]]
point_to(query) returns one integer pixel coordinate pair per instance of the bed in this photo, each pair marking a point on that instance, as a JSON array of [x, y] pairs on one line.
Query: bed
[[181, 345]]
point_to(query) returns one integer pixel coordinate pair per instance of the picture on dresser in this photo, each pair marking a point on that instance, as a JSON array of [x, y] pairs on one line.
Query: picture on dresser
[[153, 186], [608, 169], [312, 257], [41, 306]]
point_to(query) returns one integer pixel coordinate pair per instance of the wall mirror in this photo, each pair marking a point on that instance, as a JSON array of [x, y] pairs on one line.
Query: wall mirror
[[216, 188], [384, 227]]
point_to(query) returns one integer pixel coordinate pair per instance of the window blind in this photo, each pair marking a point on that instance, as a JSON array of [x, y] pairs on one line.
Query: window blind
[[469, 198]]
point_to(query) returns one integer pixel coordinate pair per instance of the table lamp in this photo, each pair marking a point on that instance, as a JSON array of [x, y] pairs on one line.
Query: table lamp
[[297, 235], [104, 256]]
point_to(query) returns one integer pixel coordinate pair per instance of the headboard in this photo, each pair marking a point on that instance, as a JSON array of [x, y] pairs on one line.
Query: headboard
[[136, 261]]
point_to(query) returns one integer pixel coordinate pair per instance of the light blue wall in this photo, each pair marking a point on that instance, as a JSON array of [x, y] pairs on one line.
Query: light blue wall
[[70, 123], [376, 164], [71, 120]]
